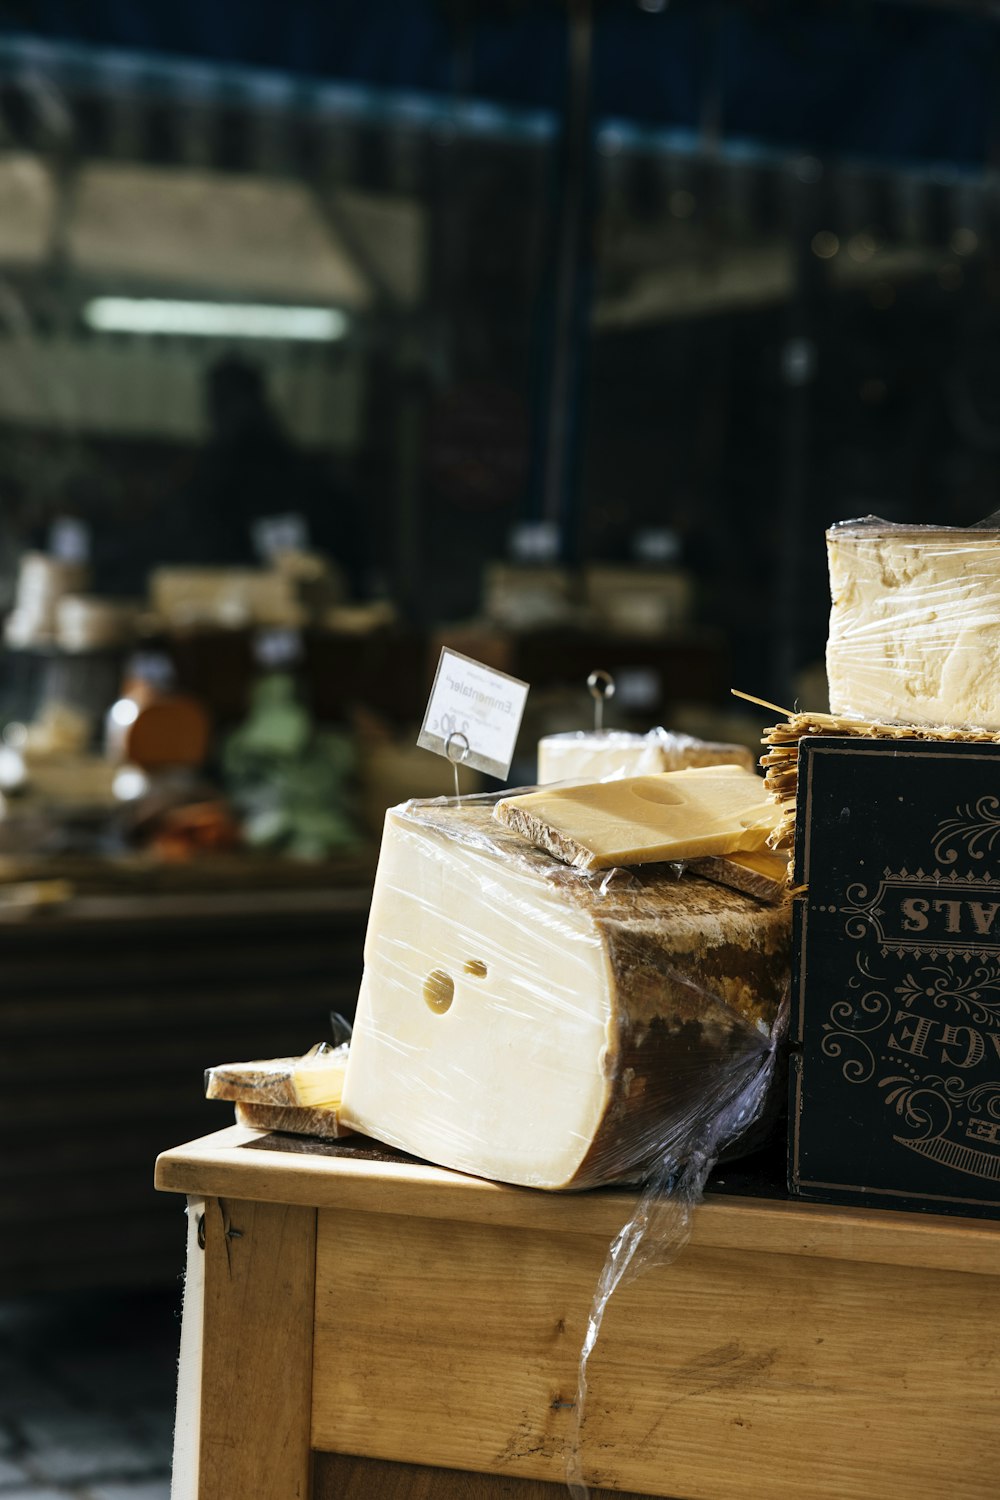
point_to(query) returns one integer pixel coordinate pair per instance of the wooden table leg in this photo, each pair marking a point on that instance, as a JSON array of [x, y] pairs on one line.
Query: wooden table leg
[[256, 1365]]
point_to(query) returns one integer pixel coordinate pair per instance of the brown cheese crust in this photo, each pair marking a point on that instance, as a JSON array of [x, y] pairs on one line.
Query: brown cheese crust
[[316, 1121]]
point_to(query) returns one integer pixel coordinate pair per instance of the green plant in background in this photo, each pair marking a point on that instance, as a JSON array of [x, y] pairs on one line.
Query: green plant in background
[[291, 782]]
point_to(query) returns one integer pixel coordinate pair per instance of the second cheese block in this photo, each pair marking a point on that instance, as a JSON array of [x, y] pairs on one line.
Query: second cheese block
[[676, 815], [596, 755], [914, 624], [521, 1021]]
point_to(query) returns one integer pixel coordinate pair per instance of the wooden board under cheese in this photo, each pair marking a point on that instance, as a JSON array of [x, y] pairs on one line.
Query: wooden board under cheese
[[523, 1021]]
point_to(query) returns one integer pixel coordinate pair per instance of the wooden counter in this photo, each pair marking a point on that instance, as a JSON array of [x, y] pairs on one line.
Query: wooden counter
[[360, 1326]]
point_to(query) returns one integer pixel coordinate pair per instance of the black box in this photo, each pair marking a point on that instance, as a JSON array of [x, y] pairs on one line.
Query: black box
[[895, 1030]]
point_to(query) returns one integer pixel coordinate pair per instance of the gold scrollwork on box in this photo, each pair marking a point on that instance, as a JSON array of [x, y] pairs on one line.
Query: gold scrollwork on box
[[968, 994], [976, 826], [850, 1021], [927, 1110]]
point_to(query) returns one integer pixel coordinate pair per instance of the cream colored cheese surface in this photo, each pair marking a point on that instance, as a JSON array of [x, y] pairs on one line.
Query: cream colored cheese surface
[[914, 625], [598, 755], [483, 1016]]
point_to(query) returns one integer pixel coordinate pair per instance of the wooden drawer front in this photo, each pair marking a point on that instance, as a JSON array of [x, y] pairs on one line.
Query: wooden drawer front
[[770, 1377]]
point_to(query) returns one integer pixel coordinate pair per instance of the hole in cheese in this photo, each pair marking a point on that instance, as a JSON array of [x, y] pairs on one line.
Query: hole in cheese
[[649, 791], [476, 968], [439, 991]]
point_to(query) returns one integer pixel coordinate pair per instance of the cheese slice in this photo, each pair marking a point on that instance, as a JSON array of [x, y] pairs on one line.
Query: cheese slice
[[914, 624], [520, 1021], [601, 754], [645, 819], [315, 1078], [321, 1121], [762, 874]]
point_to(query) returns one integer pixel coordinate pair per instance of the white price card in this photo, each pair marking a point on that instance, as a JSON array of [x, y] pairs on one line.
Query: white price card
[[480, 707], [69, 540], [273, 535]]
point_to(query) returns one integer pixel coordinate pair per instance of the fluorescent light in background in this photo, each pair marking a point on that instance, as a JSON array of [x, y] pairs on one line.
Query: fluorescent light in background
[[227, 320]]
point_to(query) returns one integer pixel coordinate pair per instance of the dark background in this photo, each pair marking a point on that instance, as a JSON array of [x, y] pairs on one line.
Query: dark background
[[728, 269]]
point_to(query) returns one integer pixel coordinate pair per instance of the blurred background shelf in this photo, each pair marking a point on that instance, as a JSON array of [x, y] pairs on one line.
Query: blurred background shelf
[[111, 1007]]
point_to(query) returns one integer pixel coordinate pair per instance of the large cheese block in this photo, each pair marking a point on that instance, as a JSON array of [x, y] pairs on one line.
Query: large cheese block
[[914, 624], [676, 815], [522, 1021], [597, 755]]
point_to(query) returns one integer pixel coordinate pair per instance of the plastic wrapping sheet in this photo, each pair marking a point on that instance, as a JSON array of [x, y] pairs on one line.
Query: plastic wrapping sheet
[[914, 623], [315, 1078], [660, 1227], [607, 754], [527, 1022]]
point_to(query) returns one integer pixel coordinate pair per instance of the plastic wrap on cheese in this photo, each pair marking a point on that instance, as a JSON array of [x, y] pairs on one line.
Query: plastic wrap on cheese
[[605, 754], [528, 1022], [914, 624]]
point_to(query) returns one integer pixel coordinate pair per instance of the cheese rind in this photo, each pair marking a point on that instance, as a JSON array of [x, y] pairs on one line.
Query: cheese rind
[[293, 1082], [521, 1021], [321, 1121], [675, 815], [602, 754], [914, 624], [762, 874]]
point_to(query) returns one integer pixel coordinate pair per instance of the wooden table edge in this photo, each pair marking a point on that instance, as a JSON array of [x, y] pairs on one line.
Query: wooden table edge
[[221, 1165]]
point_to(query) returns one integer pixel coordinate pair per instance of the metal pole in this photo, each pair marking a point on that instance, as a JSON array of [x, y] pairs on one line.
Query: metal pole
[[568, 268]]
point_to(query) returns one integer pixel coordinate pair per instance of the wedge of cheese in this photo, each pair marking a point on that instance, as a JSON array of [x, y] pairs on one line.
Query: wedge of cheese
[[762, 874], [520, 1021], [320, 1121], [914, 624], [598, 755], [291, 1082], [676, 815]]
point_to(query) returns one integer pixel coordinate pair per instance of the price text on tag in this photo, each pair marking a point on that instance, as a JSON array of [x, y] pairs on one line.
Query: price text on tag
[[474, 701]]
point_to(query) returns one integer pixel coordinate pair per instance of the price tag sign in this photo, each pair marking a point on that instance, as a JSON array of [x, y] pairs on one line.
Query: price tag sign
[[638, 687], [656, 545], [277, 647], [273, 535], [479, 704], [535, 542], [69, 540]]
